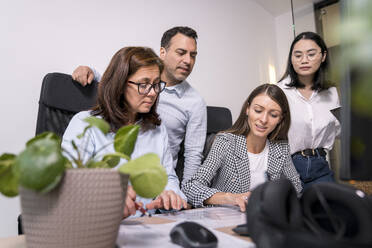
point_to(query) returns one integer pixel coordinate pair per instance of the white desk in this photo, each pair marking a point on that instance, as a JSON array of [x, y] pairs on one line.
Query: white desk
[[154, 231]]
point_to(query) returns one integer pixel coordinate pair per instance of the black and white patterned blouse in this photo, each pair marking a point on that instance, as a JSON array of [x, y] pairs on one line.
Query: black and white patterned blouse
[[226, 168]]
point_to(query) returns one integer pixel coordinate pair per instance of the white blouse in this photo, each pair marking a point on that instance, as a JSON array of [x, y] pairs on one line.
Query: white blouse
[[258, 166], [312, 123]]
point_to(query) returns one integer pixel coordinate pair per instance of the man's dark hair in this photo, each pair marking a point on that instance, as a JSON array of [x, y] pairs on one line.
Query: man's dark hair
[[168, 35]]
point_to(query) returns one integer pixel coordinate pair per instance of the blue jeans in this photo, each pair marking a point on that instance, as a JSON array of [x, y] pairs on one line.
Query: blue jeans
[[312, 169]]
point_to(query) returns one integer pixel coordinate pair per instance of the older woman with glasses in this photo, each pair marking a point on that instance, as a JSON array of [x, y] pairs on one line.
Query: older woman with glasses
[[313, 127], [128, 94]]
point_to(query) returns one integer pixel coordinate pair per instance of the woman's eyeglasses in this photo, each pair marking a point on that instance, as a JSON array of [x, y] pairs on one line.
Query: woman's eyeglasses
[[311, 56], [145, 88]]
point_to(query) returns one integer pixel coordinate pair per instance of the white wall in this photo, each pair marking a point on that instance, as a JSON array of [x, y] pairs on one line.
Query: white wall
[[304, 18], [236, 43], [284, 37], [304, 21]]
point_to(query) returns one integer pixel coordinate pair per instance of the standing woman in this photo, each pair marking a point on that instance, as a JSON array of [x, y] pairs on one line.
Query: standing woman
[[313, 127], [254, 150]]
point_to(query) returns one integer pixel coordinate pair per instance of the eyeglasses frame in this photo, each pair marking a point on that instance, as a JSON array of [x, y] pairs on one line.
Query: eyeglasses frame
[[307, 56], [161, 84]]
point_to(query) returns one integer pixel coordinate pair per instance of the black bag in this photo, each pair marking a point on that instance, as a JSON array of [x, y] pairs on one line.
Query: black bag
[[327, 215]]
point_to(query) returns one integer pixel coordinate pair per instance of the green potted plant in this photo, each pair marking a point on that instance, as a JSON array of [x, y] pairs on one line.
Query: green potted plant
[[80, 207]]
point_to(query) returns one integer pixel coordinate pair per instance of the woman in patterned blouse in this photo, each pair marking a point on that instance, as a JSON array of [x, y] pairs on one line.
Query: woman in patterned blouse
[[253, 150]]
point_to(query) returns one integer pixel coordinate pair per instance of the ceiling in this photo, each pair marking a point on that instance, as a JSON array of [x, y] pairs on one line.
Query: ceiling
[[279, 7]]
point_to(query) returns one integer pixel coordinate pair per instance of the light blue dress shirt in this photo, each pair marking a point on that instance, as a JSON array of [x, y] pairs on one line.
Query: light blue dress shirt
[[153, 140], [184, 114]]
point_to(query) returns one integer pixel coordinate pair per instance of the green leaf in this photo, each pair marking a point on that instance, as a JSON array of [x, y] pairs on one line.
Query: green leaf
[[6, 161], [52, 185], [125, 139], [113, 159], [98, 123], [68, 164], [96, 164], [74, 145], [8, 176], [44, 135], [83, 133], [90, 163], [147, 176], [41, 164]]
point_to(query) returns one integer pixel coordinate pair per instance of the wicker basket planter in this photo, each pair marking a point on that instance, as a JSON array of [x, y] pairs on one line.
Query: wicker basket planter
[[84, 210]]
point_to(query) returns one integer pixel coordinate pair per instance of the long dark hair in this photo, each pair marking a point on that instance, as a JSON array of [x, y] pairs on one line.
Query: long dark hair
[[320, 78], [111, 102], [241, 127]]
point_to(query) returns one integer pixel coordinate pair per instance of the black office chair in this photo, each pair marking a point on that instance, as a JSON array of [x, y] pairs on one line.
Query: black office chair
[[218, 119], [60, 99]]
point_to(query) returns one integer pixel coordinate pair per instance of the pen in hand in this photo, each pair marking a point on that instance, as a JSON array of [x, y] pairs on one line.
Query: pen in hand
[[142, 210]]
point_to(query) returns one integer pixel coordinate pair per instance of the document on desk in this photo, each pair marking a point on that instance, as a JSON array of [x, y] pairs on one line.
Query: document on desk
[[157, 235], [140, 233], [214, 217]]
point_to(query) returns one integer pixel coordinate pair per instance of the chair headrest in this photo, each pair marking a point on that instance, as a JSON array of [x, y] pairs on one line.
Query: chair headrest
[[222, 119], [61, 92]]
